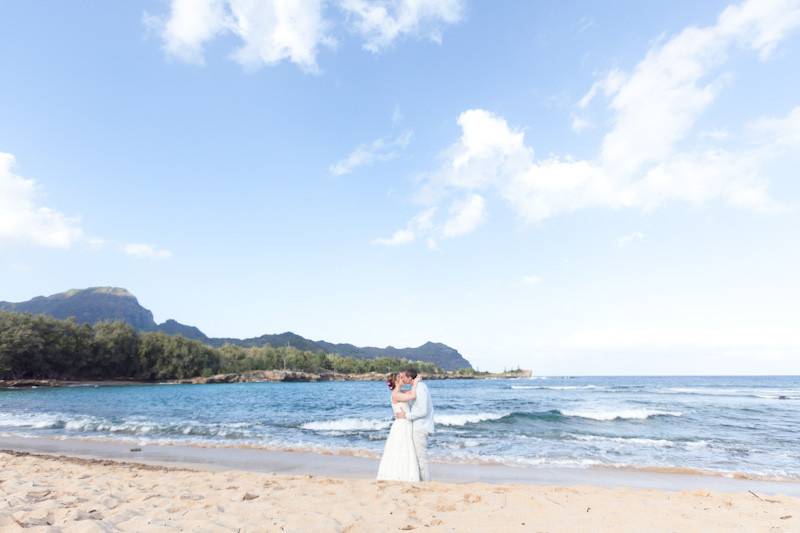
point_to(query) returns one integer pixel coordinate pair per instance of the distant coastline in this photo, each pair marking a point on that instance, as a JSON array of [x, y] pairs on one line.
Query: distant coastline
[[95, 305], [258, 376]]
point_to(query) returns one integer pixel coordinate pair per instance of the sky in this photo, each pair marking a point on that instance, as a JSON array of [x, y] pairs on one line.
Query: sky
[[575, 188]]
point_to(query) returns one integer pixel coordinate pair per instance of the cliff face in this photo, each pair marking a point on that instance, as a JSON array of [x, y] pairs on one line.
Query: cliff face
[[89, 306], [113, 303]]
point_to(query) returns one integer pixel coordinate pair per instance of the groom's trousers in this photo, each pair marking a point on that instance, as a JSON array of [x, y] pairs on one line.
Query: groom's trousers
[[421, 447]]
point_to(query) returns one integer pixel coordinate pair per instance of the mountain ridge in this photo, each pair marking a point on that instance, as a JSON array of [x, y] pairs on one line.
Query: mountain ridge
[[95, 304]]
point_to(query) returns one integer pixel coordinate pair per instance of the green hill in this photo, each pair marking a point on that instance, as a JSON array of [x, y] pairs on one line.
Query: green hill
[[97, 304]]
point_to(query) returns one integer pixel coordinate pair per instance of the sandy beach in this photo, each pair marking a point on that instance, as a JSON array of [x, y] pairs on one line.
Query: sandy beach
[[59, 493]]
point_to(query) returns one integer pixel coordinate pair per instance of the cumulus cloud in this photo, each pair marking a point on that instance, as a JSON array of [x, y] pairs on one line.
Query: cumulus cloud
[[146, 250], [272, 31], [657, 104], [381, 22], [366, 154], [638, 163], [190, 24], [24, 219]]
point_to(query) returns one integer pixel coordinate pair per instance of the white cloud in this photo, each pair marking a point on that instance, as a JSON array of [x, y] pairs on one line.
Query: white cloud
[[638, 164], [608, 86], [421, 223], [625, 240], [146, 250], [465, 215], [781, 132], [366, 154], [660, 101], [191, 23], [381, 22], [401, 236], [271, 31], [275, 30], [579, 124], [24, 219], [532, 279], [716, 134]]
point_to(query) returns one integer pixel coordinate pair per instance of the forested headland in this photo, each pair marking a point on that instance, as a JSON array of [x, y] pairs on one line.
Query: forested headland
[[41, 347]]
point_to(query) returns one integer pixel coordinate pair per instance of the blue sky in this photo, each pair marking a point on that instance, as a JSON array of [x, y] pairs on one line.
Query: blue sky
[[577, 189]]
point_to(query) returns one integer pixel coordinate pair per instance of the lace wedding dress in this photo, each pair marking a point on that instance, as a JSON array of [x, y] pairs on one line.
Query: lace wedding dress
[[399, 460]]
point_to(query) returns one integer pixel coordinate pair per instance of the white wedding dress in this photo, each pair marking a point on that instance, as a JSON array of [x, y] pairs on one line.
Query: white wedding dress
[[399, 460]]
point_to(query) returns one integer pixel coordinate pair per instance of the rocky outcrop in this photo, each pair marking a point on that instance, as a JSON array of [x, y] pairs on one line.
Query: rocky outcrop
[[260, 376], [27, 383]]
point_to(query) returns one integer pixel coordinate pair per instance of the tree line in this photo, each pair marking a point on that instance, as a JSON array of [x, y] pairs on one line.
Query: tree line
[[42, 347]]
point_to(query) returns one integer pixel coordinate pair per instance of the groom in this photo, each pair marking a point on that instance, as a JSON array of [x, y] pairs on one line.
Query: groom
[[421, 416]]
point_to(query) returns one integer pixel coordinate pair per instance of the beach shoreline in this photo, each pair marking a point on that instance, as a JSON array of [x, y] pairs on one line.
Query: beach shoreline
[[254, 376], [302, 461], [44, 492]]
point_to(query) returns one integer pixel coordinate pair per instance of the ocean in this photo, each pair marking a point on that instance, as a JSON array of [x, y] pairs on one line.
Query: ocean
[[734, 426]]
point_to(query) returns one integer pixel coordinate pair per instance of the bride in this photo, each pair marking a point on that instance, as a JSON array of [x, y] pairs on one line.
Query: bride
[[399, 460]]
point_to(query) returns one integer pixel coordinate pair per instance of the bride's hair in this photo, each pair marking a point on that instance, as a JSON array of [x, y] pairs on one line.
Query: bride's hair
[[391, 380]]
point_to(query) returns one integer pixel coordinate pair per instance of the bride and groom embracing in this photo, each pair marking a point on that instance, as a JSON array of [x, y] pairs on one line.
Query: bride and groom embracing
[[405, 455]]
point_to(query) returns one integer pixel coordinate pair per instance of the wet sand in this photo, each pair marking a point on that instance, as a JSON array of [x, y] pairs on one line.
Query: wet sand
[[198, 489], [359, 467]]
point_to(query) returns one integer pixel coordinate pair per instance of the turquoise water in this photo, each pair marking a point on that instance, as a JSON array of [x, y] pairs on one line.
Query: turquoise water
[[747, 425]]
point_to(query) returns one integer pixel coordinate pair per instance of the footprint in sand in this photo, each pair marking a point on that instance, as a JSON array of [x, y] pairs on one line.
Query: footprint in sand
[[471, 498]]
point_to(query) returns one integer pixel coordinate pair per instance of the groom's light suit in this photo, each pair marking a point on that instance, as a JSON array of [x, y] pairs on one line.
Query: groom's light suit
[[421, 415]]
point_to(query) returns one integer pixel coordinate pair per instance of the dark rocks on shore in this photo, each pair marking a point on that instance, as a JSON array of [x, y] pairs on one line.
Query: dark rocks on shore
[[256, 376], [27, 383], [261, 376]]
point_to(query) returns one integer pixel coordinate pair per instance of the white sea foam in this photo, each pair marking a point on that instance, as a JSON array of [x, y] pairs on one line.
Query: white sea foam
[[778, 395], [706, 391], [367, 424], [29, 420], [463, 419], [767, 394], [470, 456], [143, 427], [555, 387], [638, 441], [348, 424], [82, 424], [621, 414]]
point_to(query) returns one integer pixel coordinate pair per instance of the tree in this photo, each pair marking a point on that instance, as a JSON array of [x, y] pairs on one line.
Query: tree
[[116, 350], [37, 346]]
